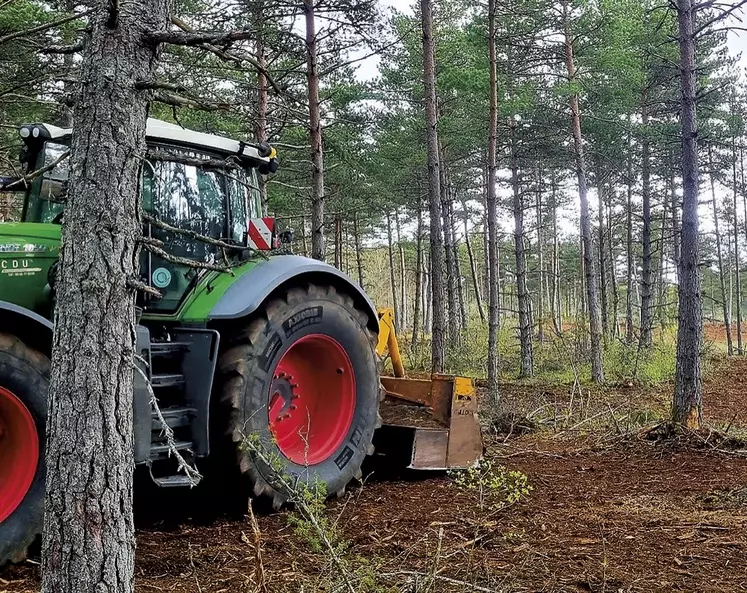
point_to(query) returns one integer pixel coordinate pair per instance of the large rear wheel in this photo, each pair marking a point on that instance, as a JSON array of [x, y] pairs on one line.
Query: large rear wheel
[[300, 391], [24, 376]]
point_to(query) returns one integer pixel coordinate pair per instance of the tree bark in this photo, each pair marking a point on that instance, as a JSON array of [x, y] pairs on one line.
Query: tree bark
[[434, 188], [458, 272], [492, 216], [556, 300], [597, 370], [647, 293], [687, 408], [719, 254], [315, 135], [89, 540]]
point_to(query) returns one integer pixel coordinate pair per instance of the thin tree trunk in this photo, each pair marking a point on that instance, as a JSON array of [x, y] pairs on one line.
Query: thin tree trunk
[[358, 250], [402, 273], [629, 251], [602, 259], [338, 242], [485, 237], [418, 276], [472, 266], [687, 408], [304, 243], [722, 281], [676, 235], [260, 123], [392, 275], [315, 135], [522, 294], [427, 298], [556, 300], [661, 305], [541, 262], [451, 287], [597, 370], [434, 187], [89, 538], [458, 271], [492, 216], [647, 295], [740, 349], [613, 272]]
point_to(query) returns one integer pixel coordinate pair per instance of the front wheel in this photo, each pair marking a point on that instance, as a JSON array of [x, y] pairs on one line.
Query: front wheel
[[300, 392], [23, 407]]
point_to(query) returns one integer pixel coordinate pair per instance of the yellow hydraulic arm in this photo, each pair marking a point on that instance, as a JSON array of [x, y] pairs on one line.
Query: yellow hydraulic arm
[[388, 340]]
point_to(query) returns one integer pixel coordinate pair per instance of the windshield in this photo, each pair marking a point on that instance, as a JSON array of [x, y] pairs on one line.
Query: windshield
[[46, 194]]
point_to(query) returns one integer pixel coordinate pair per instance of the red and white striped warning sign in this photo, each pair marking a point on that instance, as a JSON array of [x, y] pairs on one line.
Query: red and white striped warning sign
[[260, 233]]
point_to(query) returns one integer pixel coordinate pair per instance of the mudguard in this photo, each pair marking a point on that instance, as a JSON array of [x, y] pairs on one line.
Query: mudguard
[[32, 328], [248, 293]]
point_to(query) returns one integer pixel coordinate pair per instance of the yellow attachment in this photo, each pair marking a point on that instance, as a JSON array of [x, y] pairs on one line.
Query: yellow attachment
[[388, 341]]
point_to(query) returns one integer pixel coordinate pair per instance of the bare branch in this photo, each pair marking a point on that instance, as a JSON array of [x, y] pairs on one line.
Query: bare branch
[[45, 26]]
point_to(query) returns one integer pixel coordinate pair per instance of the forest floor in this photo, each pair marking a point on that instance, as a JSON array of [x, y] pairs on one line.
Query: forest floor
[[613, 508]]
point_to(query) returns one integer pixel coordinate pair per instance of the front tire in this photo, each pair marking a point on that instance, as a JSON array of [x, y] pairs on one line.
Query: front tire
[[300, 391], [24, 384]]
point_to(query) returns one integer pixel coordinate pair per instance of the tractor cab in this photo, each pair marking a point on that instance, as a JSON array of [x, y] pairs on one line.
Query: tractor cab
[[199, 183]]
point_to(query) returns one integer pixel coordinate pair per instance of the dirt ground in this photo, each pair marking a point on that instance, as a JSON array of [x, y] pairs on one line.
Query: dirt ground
[[611, 510]]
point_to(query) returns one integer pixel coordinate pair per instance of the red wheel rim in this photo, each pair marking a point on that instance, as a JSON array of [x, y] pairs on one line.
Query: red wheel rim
[[19, 452], [312, 399]]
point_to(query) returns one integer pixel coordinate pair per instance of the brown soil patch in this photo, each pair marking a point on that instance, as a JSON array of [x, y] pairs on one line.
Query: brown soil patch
[[607, 513]]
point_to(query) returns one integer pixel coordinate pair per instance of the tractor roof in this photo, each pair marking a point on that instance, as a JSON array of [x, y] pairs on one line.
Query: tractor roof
[[162, 131]]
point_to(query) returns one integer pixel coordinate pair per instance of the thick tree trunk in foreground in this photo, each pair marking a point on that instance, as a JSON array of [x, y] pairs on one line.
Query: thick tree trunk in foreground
[[315, 135], [595, 325], [687, 408], [492, 216], [89, 539], [434, 188]]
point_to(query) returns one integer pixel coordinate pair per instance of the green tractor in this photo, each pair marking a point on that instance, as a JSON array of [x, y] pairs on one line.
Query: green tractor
[[283, 349]]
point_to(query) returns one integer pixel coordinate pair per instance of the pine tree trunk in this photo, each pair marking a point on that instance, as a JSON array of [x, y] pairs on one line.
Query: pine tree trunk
[[472, 266], [89, 539], [402, 273], [557, 300], [737, 279], [358, 250], [687, 402], [613, 273], [522, 294], [661, 305], [492, 216], [260, 123], [434, 188], [418, 276], [392, 275], [629, 330], [719, 254], [541, 262], [597, 370], [647, 294], [304, 243], [427, 297], [602, 259], [451, 287], [458, 273], [315, 135], [338, 242], [485, 237]]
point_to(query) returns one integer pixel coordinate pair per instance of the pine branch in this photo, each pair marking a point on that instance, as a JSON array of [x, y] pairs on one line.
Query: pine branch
[[159, 155], [62, 49], [24, 181], [195, 38], [136, 284], [45, 26], [154, 246], [179, 101]]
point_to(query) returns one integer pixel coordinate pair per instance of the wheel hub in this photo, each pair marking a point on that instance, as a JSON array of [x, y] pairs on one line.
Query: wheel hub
[[312, 399], [19, 452]]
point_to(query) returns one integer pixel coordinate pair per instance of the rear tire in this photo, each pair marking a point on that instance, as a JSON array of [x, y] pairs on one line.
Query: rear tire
[[292, 363], [24, 374]]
